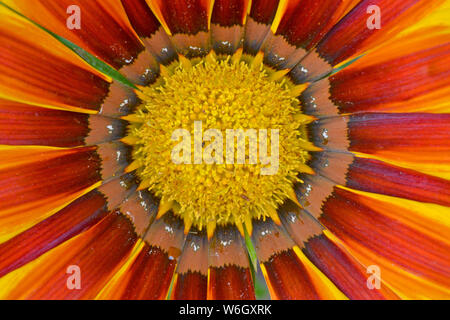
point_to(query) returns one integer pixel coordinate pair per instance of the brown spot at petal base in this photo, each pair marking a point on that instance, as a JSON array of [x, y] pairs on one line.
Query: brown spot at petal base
[[226, 40], [333, 165], [316, 100], [300, 225], [141, 209], [227, 248], [311, 68], [331, 134], [313, 192], [269, 239], [255, 33], [104, 129], [119, 101], [280, 54], [167, 234]]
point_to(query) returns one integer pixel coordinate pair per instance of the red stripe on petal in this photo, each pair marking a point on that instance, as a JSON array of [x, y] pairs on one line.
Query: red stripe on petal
[[379, 177], [141, 17], [190, 286], [21, 124], [185, 16], [151, 274], [263, 11], [352, 35], [230, 283], [376, 230], [31, 73], [67, 223], [406, 134], [349, 276], [98, 254], [228, 13], [288, 278], [398, 80], [104, 29], [69, 172], [304, 23]]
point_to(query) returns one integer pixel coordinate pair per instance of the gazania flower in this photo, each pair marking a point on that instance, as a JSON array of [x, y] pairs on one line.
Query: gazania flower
[[355, 95]]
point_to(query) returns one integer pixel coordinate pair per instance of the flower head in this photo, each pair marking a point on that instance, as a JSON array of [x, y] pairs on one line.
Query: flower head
[[184, 149]]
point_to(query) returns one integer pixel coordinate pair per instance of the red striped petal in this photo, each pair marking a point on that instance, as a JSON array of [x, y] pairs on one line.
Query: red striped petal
[[141, 17], [229, 267], [379, 177], [345, 272], [30, 189], [67, 223], [415, 74], [262, 13], [303, 21], [288, 278], [104, 31], [96, 261], [424, 137], [190, 286], [192, 271], [350, 276], [22, 124], [184, 16], [349, 217], [188, 22], [149, 29], [30, 72], [49, 276], [151, 274], [302, 26], [231, 283], [152, 271], [351, 35], [227, 25], [228, 13]]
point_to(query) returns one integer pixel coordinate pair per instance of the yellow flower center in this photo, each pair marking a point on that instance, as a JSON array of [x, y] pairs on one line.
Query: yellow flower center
[[212, 185]]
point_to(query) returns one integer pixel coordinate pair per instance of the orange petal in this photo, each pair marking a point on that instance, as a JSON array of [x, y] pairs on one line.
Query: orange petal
[[188, 23], [77, 217], [419, 68], [48, 276], [394, 233], [302, 25], [150, 275], [351, 36], [192, 271], [22, 124], [149, 29], [378, 177], [32, 73], [288, 273], [415, 137], [31, 190], [104, 30]]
